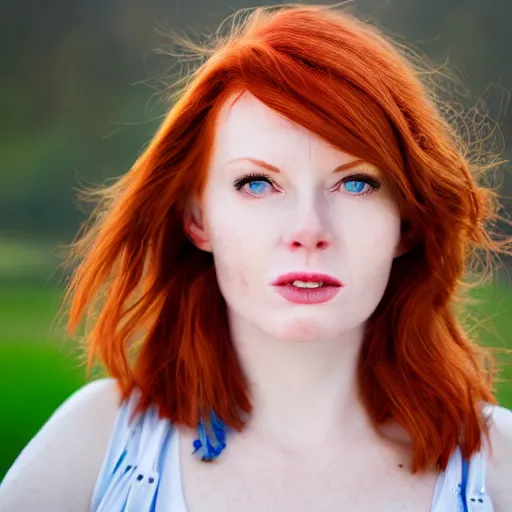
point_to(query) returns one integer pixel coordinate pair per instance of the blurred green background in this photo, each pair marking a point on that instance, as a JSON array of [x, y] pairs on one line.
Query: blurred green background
[[79, 97]]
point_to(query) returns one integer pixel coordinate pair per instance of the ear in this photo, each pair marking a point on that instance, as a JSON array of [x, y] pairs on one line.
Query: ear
[[408, 239], [194, 227]]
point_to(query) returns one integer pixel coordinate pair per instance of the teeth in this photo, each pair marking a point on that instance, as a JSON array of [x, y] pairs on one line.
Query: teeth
[[308, 284]]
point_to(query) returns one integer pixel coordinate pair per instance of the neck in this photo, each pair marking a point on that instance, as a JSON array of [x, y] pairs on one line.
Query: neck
[[302, 393]]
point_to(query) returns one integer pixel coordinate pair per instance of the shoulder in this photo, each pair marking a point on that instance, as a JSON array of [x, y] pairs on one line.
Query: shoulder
[[57, 470], [499, 459]]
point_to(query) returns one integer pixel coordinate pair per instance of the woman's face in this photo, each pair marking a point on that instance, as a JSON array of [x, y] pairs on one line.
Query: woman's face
[[302, 248]]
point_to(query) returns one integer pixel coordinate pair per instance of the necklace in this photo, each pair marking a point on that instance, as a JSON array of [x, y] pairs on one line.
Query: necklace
[[211, 439]]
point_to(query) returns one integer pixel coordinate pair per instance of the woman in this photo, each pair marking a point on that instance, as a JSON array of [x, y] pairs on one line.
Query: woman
[[273, 282]]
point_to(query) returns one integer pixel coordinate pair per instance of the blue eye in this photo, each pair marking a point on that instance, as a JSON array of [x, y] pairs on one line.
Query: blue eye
[[257, 187], [354, 186]]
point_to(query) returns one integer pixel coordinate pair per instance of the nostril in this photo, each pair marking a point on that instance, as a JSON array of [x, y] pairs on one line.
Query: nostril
[[321, 244]]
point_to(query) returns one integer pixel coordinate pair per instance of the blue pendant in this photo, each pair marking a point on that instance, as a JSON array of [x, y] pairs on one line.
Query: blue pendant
[[211, 441]]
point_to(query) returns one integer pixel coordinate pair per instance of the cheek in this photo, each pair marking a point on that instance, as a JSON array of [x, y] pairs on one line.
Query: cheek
[[232, 247], [238, 232], [375, 236]]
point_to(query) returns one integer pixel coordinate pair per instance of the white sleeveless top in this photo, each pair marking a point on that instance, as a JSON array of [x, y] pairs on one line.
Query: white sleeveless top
[[141, 471]]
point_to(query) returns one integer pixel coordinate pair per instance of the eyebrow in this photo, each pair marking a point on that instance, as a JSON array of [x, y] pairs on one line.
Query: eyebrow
[[276, 170], [259, 163]]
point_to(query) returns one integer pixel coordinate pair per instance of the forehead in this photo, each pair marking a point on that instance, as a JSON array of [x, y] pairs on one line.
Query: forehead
[[247, 127]]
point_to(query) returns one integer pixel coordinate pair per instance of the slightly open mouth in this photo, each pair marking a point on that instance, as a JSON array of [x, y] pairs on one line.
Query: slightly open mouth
[[306, 280], [307, 288], [306, 284], [307, 292]]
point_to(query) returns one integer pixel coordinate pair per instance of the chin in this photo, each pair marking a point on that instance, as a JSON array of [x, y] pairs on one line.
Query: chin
[[303, 330]]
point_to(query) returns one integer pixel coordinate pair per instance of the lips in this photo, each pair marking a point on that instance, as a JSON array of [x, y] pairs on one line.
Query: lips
[[307, 288], [289, 279]]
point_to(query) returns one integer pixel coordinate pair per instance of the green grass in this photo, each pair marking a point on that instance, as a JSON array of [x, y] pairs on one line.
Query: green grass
[[491, 326], [35, 378], [37, 373]]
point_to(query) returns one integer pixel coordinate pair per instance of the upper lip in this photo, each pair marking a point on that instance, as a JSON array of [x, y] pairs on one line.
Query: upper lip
[[308, 277]]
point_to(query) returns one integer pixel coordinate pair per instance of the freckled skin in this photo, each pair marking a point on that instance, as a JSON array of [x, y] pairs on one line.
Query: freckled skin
[[256, 239]]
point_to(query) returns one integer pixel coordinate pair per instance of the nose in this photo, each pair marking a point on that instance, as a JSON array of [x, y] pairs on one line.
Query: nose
[[309, 232]]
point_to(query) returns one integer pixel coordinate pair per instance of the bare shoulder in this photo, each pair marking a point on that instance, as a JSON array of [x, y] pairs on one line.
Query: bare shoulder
[[499, 462], [58, 468]]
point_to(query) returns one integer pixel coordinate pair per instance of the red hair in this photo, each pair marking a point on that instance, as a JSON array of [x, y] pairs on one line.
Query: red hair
[[158, 318]]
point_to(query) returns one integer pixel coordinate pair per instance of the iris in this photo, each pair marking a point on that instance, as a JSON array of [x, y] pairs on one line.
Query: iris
[[354, 186], [257, 187]]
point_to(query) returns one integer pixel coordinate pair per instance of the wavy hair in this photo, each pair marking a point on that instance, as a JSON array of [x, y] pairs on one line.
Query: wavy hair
[[156, 317]]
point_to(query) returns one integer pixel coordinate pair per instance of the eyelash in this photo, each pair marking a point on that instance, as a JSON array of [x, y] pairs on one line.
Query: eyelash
[[370, 180], [248, 178], [374, 183]]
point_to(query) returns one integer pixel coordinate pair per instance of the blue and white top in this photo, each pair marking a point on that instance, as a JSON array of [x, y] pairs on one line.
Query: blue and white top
[[141, 471]]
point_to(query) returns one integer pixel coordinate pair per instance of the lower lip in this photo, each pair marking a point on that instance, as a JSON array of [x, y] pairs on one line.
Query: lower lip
[[307, 295]]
